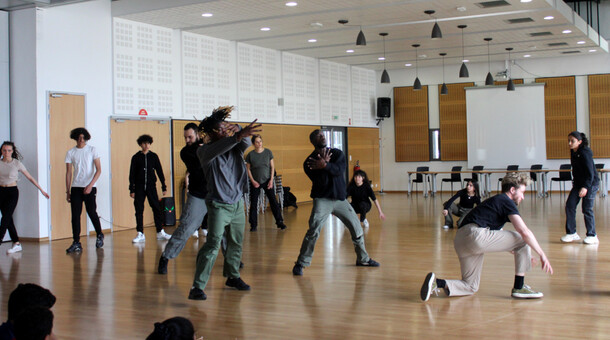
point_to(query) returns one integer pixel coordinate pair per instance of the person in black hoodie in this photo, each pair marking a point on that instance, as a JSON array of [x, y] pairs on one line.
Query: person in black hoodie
[[142, 185], [585, 184]]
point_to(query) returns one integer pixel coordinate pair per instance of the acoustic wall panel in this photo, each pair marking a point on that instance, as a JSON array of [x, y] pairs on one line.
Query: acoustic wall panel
[[300, 85], [335, 93], [363, 97]]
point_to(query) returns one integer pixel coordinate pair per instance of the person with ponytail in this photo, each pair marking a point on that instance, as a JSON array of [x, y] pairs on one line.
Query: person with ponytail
[[10, 166], [176, 328], [585, 184]]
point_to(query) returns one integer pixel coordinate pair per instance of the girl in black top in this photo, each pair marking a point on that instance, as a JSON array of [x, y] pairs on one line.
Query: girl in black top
[[360, 196], [585, 184], [468, 198]]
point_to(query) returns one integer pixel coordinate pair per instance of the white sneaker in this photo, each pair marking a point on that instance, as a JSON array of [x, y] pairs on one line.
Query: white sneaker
[[445, 227], [365, 223], [15, 249], [163, 236], [587, 240], [195, 234], [203, 232], [139, 238], [567, 238]]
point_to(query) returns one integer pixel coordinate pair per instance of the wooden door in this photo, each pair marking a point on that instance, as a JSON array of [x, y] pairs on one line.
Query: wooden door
[[123, 145], [66, 112]]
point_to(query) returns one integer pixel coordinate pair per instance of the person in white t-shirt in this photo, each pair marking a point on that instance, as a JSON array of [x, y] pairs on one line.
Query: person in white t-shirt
[[83, 169]]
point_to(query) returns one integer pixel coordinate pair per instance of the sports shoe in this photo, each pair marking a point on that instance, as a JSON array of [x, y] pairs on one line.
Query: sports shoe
[[587, 240], [429, 287], [369, 263], [74, 248], [197, 294], [526, 293], [203, 232], [195, 234], [15, 249], [297, 270], [162, 269], [237, 283], [139, 238], [99, 241], [162, 235], [365, 223], [281, 225], [447, 227], [567, 238], [253, 228]]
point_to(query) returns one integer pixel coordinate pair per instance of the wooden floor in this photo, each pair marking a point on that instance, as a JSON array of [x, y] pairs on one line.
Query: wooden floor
[[115, 292]]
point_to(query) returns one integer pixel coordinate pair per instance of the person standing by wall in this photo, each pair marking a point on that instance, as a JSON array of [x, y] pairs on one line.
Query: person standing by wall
[[10, 166], [143, 172], [261, 170], [83, 169], [585, 184]]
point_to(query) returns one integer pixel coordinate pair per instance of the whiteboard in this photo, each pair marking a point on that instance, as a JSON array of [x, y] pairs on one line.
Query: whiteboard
[[505, 127]]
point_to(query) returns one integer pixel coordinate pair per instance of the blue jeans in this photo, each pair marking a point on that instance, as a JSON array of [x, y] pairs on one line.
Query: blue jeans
[[587, 210]]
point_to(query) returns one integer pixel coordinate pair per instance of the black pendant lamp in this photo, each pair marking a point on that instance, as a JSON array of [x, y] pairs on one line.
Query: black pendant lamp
[[490, 79], [444, 89], [511, 85], [436, 30], [361, 40], [463, 69], [385, 77], [417, 83]]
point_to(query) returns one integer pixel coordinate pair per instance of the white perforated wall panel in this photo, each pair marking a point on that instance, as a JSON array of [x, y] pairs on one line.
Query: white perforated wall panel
[[146, 75], [363, 97], [258, 83], [208, 74], [300, 85], [335, 93]]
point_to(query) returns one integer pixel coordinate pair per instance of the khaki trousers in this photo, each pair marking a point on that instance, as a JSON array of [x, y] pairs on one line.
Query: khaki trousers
[[472, 242]]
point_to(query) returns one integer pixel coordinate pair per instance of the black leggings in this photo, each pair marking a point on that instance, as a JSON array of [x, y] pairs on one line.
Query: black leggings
[[8, 201], [153, 200], [77, 197], [275, 208], [361, 208]]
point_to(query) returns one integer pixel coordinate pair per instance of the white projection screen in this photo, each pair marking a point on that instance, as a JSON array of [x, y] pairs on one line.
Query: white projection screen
[[505, 127]]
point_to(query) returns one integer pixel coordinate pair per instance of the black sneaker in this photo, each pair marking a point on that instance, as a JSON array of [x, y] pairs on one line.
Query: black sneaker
[[297, 270], [253, 228], [74, 248], [237, 283], [281, 225], [241, 265], [162, 265], [369, 263], [197, 294], [99, 242]]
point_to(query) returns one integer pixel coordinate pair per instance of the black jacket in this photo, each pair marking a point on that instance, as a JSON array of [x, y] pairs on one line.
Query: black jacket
[[584, 173], [197, 184], [330, 181], [142, 171]]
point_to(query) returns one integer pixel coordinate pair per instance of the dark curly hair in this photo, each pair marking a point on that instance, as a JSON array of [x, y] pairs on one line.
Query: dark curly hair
[[219, 115], [145, 139], [80, 131], [176, 328]]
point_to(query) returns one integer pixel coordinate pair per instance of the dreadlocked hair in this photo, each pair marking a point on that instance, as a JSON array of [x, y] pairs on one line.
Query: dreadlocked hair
[[220, 114]]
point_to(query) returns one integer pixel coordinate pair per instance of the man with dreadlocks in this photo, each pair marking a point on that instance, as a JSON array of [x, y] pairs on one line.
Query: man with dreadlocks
[[222, 161]]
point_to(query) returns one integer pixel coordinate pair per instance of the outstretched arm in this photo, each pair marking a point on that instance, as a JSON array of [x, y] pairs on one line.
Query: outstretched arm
[[31, 179], [531, 241]]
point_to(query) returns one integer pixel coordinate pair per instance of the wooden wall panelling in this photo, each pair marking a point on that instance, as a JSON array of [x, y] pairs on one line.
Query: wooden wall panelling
[[411, 124], [599, 114], [505, 82], [560, 114], [363, 146], [453, 129]]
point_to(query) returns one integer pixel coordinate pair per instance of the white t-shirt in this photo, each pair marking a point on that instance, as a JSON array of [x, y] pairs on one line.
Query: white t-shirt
[[82, 161]]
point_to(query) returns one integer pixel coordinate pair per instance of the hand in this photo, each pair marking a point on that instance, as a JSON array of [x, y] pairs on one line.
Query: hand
[[270, 185], [319, 162], [249, 130], [132, 195], [255, 184], [382, 216], [582, 192], [68, 197], [445, 212], [165, 193], [326, 155], [44, 194], [546, 265], [87, 190]]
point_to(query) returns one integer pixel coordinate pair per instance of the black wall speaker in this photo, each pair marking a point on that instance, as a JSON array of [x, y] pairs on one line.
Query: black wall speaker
[[383, 107]]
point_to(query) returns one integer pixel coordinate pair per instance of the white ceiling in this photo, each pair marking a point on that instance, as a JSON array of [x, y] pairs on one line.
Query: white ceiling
[[405, 21]]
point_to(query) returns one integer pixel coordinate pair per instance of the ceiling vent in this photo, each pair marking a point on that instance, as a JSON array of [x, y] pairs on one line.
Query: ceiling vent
[[558, 44], [570, 52], [540, 34], [492, 4], [519, 20]]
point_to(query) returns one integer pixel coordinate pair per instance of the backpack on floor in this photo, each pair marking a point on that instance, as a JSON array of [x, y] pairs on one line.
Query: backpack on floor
[[289, 198], [169, 211]]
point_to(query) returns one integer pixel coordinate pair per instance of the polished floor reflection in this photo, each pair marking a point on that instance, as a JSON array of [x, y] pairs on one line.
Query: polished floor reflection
[[115, 292]]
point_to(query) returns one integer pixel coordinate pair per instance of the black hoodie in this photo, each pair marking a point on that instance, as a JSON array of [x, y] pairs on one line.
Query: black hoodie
[[142, 171]]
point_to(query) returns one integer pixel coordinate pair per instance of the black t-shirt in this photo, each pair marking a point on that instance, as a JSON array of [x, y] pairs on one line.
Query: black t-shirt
[[360, 193], [492, 213], [466, 201], [197, 184]]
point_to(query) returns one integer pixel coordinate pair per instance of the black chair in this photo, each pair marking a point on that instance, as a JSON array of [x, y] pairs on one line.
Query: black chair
[[419, 178], [534, 176], [475, 176], [599, 166], [564, 176], [455, 177], [510, 168]]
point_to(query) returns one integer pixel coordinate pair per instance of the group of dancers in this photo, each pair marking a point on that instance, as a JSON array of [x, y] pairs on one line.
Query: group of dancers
[[218, 177]]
